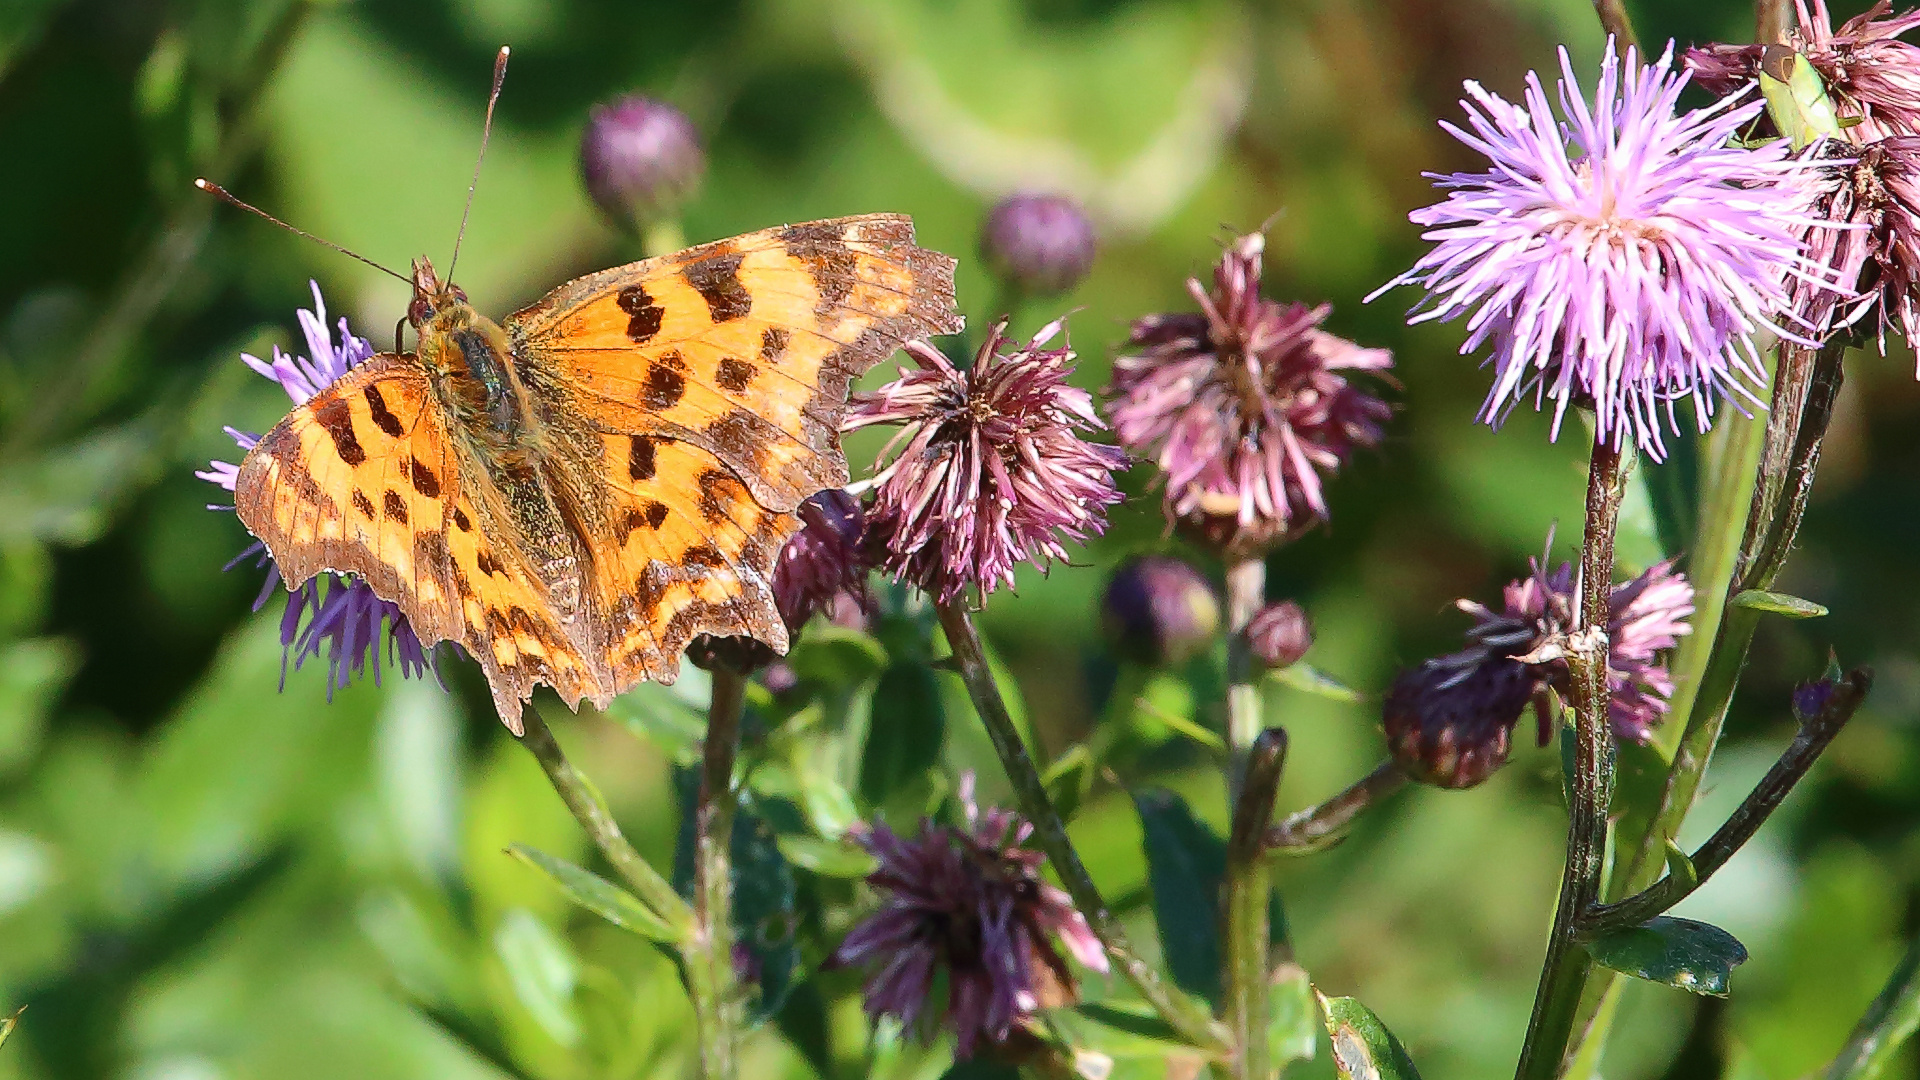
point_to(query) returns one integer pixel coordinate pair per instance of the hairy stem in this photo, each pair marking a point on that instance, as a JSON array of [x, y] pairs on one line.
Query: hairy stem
[[1249, 887], [592, 814], [1563, 976], [1888, 1023], [1306, 830], [1185, 1015], [1816, 732], [710, 977]]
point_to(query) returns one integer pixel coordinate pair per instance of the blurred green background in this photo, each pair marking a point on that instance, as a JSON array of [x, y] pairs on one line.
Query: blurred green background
[[205, 877]]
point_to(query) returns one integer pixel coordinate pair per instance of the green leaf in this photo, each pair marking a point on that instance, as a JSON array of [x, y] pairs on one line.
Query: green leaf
[[1185, 866], [11, 1022], [32, 674], [598, 895], [836, 657], [905, 736], [658, 715], [1363, 1048], [1291, 1034], [1681, 867], [766, 898], [543, 972], [1125, 1040], [1779, 604], [828, 858], [1308, 679], [1693, 956]]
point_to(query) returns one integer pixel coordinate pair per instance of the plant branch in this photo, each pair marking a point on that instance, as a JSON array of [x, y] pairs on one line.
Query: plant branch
[[1186, 1016], [1816, 732], [1563, 976], [1616, 22], [1888, 1023], [1249, 887], [710, 976], [592, 814], [1316, 826], [1246, 588]]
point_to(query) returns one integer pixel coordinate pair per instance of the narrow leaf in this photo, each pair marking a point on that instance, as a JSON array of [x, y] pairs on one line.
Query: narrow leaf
[[1779, 604], [906, 734], [1363, 1048], [598, 895], [1693, 956], [1309, 679], [1680, 865], [828, 858], [11, 1022], [1185, 865]]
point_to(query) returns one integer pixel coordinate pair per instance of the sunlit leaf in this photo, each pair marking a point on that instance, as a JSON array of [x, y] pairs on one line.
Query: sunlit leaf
[[11, 1022], [1693, 956], [1309, 679], [828, 858], [598, 895], [1363, 1048], [1779, 604], [543, 971], [1292, 1031]]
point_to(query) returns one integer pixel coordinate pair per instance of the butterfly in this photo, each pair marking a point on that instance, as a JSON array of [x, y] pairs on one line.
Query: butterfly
[[574, 492]]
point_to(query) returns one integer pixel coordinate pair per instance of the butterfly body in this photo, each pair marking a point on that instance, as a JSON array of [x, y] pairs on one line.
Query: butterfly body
[[573, 493]]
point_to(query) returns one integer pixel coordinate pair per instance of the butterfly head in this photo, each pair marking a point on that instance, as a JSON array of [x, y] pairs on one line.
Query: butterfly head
[[431, 296]]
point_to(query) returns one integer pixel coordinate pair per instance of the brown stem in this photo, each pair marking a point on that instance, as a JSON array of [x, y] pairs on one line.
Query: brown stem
[[1249, 888], [710, 975], [1306, 830], [1616, 22]]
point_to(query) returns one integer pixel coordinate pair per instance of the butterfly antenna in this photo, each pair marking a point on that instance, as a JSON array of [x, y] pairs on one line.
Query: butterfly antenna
[[226, 196], [486, 132]]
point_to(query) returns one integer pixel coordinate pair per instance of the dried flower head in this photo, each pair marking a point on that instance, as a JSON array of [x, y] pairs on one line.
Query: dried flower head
[[1621, 259], [1159, 611], [342, 617], [988, 469], [1452, 727], [1871, 77], [640, 160], [1867, 200], [1243, 407], [966, 907], [1039, 245]]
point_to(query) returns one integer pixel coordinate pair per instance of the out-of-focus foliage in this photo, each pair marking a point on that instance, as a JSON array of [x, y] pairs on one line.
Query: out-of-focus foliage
[[205, 876]]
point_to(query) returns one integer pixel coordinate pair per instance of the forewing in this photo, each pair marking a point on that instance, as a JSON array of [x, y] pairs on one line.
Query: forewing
[[364, 479], [744, 348]]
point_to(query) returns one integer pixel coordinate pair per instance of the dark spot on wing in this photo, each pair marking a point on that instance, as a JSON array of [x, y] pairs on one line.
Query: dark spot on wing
[[735, 374], [460, 520], [640, 463], [773, 343], [645, 315], [395, 508], [717, 280], [363, 504], [383, 417], [824, 252], [424, 481], [719, 493], [487, 563], [666, 382], [336, 419]]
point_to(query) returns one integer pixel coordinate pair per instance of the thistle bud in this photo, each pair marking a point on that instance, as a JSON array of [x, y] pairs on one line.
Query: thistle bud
[[1159, 611], [1280, 634], [640, 160], [1041, 245], [1452, 727]]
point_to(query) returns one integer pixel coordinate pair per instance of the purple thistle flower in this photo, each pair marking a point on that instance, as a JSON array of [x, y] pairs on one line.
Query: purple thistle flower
[[640, 159], [1241, 406], [821, 565], [988, 469], [967, 907], [1041, 245], [1870, 76], [1449, 721], [343, 618], [1159, 611], [1621, 260]]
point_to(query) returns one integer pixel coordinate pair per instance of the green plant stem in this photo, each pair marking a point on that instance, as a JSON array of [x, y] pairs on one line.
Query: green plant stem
[[709, 957], [1314, 827], [1249, 886], [1246, 589], [592, 814], [1771, 20], [1563, 976], [1805, 389], [1888, 1023], [1615, 21], [1182, 1013], [1815, 734]]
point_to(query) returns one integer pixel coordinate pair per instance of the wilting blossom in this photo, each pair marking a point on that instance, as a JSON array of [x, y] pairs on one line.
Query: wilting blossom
[[1621, 259], [342, 617], [989, 469], [1449, 721], [1159, 611], [966, 907], [1244, 407], [820, 567], [1871, 77]]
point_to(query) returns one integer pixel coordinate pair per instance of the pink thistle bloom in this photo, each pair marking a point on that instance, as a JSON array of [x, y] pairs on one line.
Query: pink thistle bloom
[[967, 907], [1871, 77], [988, 469], [1622, 259], [1243, 407], [343, 618]]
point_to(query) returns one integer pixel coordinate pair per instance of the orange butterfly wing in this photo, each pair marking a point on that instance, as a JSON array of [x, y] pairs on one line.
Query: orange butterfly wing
[[728, 364], [363, 479]]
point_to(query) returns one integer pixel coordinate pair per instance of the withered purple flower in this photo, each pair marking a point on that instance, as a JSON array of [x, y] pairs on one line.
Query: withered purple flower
[[1621, 259], [989, 469], [1243, 407], [1871, 77], [1867, 240], [966, 907], [342, 617]]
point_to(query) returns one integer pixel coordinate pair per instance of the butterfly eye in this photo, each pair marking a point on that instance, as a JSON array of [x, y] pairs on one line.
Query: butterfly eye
[[420, 311]]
